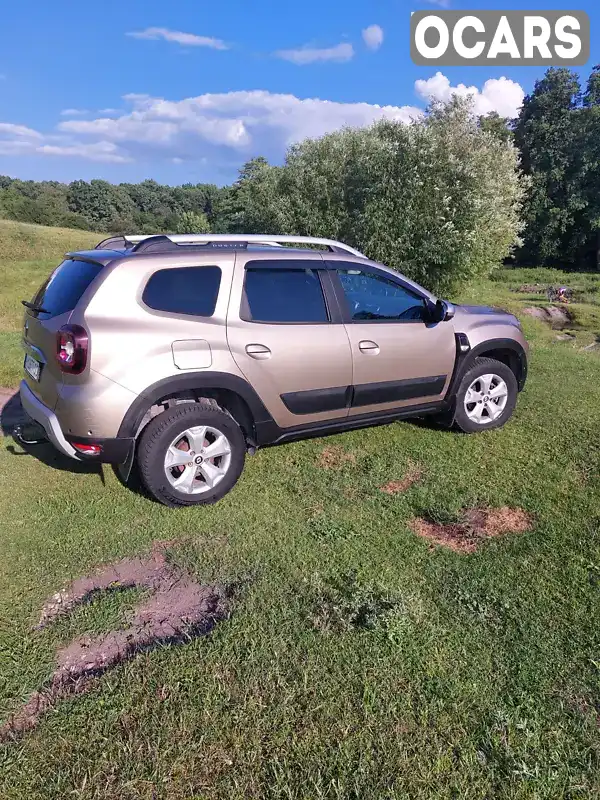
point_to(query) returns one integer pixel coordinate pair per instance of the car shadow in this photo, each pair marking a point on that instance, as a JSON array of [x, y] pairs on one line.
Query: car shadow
[[430, 422], [13, 416]]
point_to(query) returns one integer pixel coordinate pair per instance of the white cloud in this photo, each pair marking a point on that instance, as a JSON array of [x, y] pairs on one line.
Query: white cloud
[[373, 37], [179, 37], [13, 131], [246, 122], [17, 140], [308, 55], [74, 112], [440, 3], [109, 112], [106, 152], [228, 128], [498, 94]]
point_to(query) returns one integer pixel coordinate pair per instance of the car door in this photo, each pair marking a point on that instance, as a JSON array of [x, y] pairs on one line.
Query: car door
[[285, 334], [400, 359]]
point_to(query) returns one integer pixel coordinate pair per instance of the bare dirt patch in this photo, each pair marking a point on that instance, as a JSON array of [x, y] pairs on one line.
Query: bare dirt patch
[[177, 610], [413, 475], [474, 526], [335, 457]]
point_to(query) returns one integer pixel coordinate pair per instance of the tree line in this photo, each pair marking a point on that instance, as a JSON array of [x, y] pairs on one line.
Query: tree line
[[444, 199]]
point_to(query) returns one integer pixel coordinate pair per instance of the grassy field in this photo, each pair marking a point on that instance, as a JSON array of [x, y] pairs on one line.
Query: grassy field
[[359, 661]]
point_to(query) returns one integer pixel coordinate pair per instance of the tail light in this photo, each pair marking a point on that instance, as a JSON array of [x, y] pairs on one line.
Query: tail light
[[88, 449], [72, 348]]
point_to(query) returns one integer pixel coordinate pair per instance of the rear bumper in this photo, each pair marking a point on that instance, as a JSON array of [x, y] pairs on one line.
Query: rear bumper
[[47, 419], [114, 451]]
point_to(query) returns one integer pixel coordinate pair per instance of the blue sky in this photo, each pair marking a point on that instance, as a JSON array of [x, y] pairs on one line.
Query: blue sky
[[114, 90]]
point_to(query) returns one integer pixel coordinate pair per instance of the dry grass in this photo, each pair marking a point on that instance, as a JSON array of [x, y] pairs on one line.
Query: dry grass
[[22, 242], [413, 475], [335, 457], [475, 525]]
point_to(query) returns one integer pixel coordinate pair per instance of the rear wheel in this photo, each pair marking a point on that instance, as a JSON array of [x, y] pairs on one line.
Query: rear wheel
[[192, 454], [486, 397]]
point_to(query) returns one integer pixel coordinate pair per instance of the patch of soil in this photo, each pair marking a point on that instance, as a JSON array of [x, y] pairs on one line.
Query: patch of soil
[[475, 525], [413, 475], [178, 609], [557, 317], [334, 457]]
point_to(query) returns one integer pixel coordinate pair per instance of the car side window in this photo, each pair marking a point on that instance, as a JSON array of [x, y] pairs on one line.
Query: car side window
[[283, 295], [184, 290], [374, 298]]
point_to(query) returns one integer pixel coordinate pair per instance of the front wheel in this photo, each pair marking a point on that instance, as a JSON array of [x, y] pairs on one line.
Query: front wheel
[[192, 454], [486, 397]]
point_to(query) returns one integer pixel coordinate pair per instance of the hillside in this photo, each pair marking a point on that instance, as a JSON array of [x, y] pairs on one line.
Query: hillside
[[20, 241]]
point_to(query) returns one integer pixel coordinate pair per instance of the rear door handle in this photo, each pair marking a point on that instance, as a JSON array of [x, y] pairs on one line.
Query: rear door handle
[[258, 351], [369, 347]]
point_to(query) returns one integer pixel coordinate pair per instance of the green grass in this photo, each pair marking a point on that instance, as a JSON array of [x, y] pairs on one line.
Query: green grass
[[475, 677], [20, 241]]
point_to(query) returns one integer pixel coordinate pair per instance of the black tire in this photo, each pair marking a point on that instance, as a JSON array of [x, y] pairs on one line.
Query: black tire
[[160, 433], [483, 366]]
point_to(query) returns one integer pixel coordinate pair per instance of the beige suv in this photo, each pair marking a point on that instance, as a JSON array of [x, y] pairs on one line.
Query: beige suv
[[180, 354]]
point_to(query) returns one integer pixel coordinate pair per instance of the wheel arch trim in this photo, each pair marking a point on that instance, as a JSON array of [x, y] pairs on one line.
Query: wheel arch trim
[[197, 381], [464, 361]]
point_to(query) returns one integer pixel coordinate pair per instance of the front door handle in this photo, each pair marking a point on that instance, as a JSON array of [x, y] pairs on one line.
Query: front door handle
[[258, 351], [369, 348]]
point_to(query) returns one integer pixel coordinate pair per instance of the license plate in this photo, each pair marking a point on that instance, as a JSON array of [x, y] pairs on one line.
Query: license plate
[[32, 367]]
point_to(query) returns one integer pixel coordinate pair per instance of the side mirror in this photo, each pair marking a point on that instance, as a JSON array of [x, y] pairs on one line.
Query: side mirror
[[442, 311]]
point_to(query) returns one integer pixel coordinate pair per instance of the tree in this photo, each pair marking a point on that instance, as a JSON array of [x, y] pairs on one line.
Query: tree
[[247, 206], [192, 222], [107, 207], [588, 157], [497, 126], [547, 138]]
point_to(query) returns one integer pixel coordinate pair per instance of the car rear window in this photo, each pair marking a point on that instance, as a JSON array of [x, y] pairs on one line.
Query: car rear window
[[184, 290], [283, 295], [65, 287]]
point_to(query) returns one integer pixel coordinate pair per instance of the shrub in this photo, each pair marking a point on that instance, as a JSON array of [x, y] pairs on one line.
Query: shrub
[[192, 222]]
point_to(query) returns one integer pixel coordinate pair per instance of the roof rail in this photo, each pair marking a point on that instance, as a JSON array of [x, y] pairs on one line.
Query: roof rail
[[113, 242], [243, 238]]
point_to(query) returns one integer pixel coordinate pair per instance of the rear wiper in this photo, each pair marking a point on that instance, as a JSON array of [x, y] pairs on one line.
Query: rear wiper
[[33, 307]]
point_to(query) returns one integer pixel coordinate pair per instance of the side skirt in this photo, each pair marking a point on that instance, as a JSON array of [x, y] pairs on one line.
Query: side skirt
[[270, 434]]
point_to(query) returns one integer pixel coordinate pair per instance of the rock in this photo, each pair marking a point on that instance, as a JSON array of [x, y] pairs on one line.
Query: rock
[[555, 316]]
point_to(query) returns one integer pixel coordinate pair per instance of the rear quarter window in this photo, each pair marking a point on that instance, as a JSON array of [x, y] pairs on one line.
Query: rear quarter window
[[65, 287], [184, 290]]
